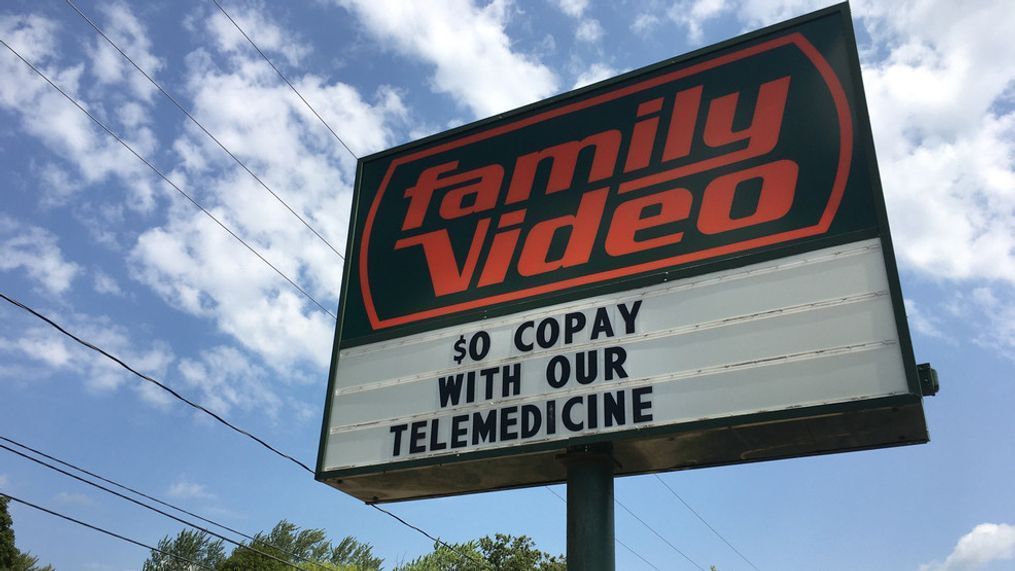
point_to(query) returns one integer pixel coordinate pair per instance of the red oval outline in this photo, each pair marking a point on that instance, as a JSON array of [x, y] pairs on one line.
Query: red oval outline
[[838, 186]]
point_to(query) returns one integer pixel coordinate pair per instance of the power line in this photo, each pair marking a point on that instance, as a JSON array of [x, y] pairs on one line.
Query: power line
[[144, 377], [432, 538], [169, 505], [139, 493], [102, 530], [233, 427], [697, 515], [122, 486], [285, 79], [618, 541], [161, 175], [644, 523], [200, 126], [657, 534], [146, 506]]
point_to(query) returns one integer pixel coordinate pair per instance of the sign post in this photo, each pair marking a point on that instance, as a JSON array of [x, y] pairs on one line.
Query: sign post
[[590, 523], [685, 266]]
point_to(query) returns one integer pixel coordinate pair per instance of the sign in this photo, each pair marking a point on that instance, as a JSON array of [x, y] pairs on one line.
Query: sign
[[691, 260]]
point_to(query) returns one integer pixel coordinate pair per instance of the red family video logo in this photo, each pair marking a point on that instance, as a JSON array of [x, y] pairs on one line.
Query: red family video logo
[[738, 152]]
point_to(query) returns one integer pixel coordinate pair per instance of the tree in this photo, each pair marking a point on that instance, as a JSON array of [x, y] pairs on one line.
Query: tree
[[196, 546], [463, 557], [502, 553], [308, 549], [8, 551], [351, 552], [11, 558]]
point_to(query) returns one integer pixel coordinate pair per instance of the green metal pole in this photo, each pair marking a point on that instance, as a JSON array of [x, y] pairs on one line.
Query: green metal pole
[[590, 544]]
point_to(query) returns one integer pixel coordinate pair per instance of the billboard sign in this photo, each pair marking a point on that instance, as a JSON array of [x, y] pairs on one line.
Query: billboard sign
[[691, 260]]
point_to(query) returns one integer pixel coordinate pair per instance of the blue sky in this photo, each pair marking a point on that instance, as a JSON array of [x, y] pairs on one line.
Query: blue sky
[[88, 234]]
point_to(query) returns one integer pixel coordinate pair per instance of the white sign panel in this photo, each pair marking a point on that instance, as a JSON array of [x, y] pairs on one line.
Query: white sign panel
[[805, 330]]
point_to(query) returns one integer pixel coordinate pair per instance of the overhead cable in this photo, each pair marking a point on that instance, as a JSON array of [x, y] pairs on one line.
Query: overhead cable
[[148, 507], [659, 535], [105, 531], [709, 526], [221, 420], [433, 538], [615, 538], [139, 493], [285, 79], [144, 377], [161, 175], [201, 126]]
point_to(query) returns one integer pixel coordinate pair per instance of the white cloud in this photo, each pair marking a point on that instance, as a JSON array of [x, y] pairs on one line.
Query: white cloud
[[945, 140], [944, 124], [226, 379], [573, 8], [994, 311], [33, 36], [43, 113], [986, 543], [41, 345], [105, 283], [921, 321], [268, 36], [644, 23], [693, 15], [44, 345], [127, 32], [184, 489], [589, 31], [200, 269], [4, 480], [35, 251], [74, 498], [757, 13], [58, 186], [468, 45], [595, 72]]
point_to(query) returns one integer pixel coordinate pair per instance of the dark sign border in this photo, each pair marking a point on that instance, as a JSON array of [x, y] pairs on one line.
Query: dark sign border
[[862, 134]]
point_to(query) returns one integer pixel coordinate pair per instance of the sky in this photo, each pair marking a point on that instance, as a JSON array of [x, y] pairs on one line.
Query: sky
[[91, 236]]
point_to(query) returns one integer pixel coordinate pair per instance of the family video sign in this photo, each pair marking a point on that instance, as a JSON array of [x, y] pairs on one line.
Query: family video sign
[[691, 261]]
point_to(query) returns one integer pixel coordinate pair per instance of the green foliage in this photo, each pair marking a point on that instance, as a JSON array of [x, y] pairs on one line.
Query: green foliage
[[195, 546], [11, 558], [357, 555], [29, 562], [461, 558], [8, 552], [501, 552], [307, 549], [310, 549]]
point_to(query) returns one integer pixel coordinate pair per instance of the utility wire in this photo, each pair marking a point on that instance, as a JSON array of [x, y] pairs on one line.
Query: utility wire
[[432, 538], [166, 178], [697, 515], [144, 377], [141, 494], [200, 126], [122, 486], [102, 530], [618, 541], [657, 534], [285, 79], [148, 507], [233, 427]]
